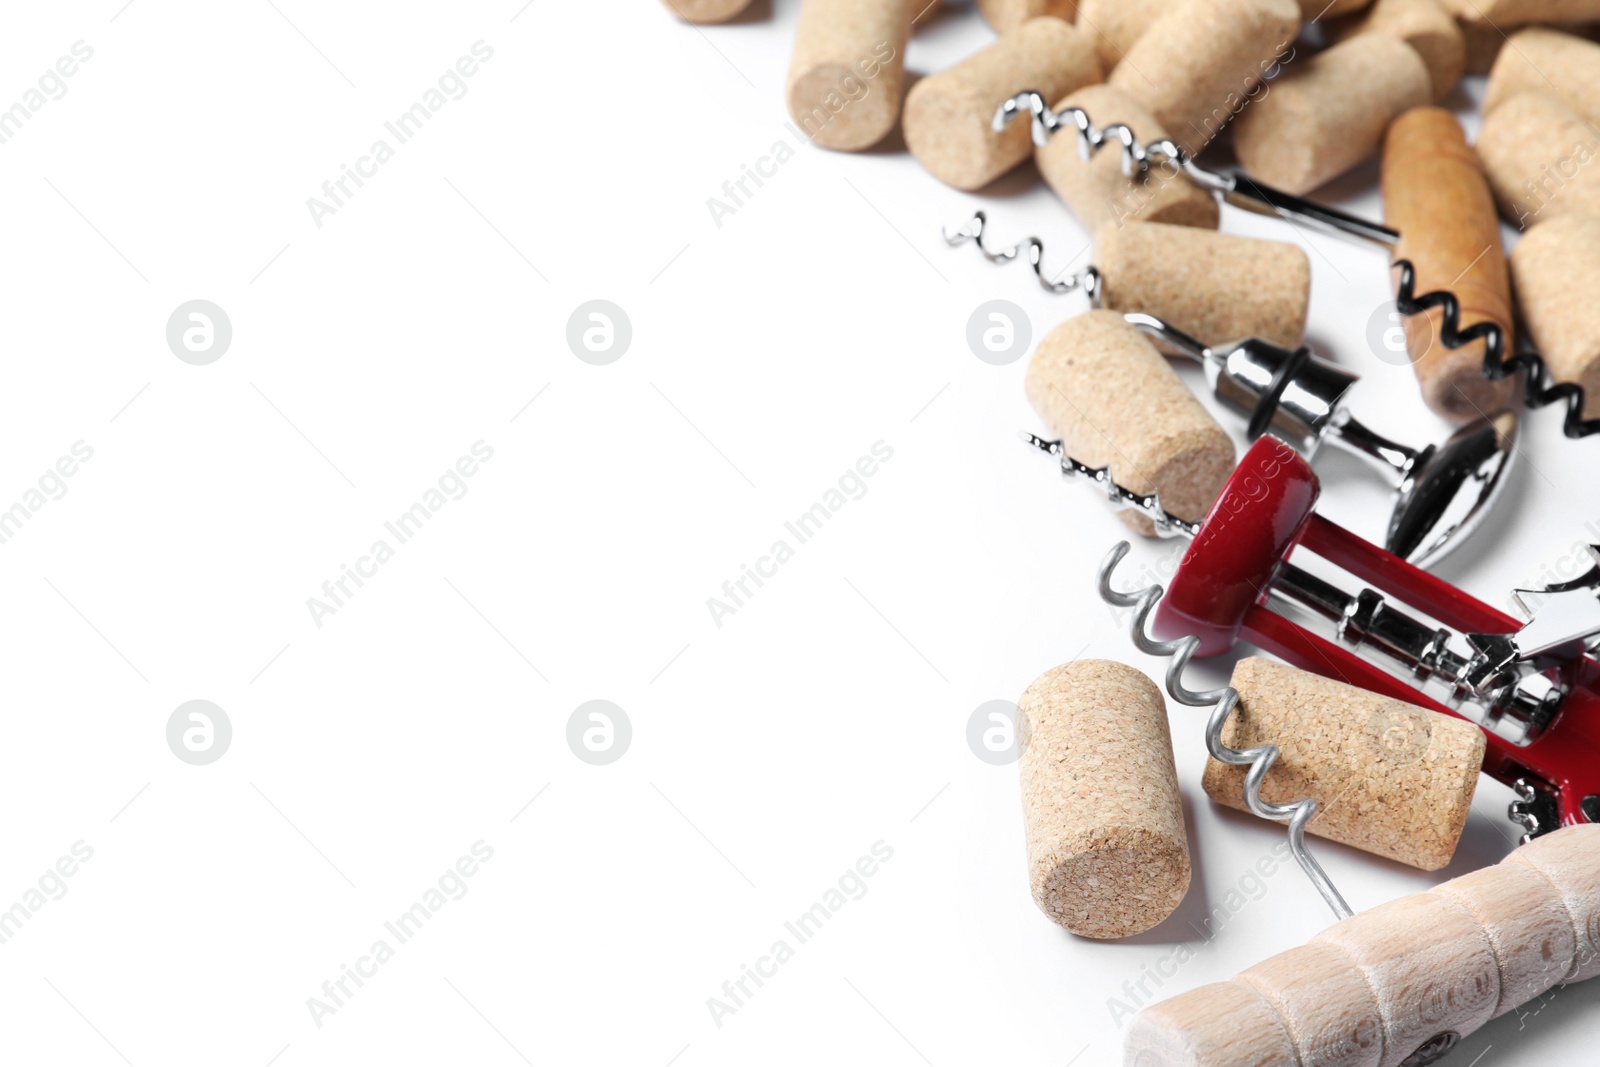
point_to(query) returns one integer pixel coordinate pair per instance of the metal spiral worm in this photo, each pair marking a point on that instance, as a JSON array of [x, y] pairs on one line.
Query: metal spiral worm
[[1541, 389], [1087, 279], [1222, 701], [1136, 157]]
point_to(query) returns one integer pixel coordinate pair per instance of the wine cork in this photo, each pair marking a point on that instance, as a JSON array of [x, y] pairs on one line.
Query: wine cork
[[1505, 14], [847, 70], [1202, 60], [1543, 60], [1114, 25], [1107, 853], [1527, 924], [1436, 195], [1215, 287], [1007, 15], [1329, 112], [1102, 387], [1098, 193], [1402, 983], [1389, 777], [1541, 158], [707, 11], [1423, 25], [1555, 272], [1566, 858], [949, 116]]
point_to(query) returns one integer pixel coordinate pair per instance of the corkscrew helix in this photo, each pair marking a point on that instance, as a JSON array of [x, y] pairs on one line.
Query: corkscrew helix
[[1222, 701], [1540, 389], [1087, 279], [1237, 189]]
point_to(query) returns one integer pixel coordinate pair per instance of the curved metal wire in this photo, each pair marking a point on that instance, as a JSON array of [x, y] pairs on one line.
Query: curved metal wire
[[1121, 497], [1222, 701], [1136, 156], [1087, 279], [1541, 388]]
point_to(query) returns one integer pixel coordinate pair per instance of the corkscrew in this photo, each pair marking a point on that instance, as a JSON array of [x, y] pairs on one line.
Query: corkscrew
[[1540, 388], [1532, 687], [1243, 192], [1222, 702], [1087, 279], [1237, 189]]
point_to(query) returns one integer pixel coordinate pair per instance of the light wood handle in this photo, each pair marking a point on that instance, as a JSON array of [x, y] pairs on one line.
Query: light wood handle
[[1374, 989], [1435, 193]]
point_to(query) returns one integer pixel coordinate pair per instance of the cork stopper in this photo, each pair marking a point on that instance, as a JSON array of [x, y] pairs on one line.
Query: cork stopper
[[1435, 193], [1389, 777], [1102, 387], [1096, 191], [1007, 15], [1329, 112], [1555, 271], [1115, 24], [1543, 60], [847, 71], [706, 11], [1539, 156], [1198, 63], [1107, 853], [1423, 25], [1215, 287], [949, 116]]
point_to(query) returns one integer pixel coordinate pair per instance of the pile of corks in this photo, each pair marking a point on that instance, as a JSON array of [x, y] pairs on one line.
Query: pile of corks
[[1305, 90]]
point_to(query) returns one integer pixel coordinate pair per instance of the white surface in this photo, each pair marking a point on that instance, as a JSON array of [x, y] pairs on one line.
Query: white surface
[[769, 754]]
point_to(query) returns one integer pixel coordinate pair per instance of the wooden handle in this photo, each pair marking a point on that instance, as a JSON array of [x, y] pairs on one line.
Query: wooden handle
[[1375, 989], [1436, 195]]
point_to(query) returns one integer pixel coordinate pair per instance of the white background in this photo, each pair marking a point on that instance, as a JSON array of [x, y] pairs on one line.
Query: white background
[[368, 754]]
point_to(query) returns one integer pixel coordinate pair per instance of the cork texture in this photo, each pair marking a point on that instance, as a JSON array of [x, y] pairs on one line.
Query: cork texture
[[1389, 777], [1568, 859], [1428, 963], [1097, 192], [1007, 15], [1555, 272], [1544, 60], [949, 116], [1527, 924], [1505, 14], [847, 73], [1422, 24], [1114, 25], [1215, 287], [1329, 112], [1107, 853], [1540, 156], [707, 11], [1435, 193], [1102, 387], [1197, 65]]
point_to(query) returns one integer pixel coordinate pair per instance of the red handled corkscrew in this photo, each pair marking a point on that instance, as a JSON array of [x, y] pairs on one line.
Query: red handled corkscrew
[[1533, 688]]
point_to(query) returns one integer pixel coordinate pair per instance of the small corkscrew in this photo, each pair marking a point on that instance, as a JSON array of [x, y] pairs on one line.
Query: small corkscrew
[[1088, 279]]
